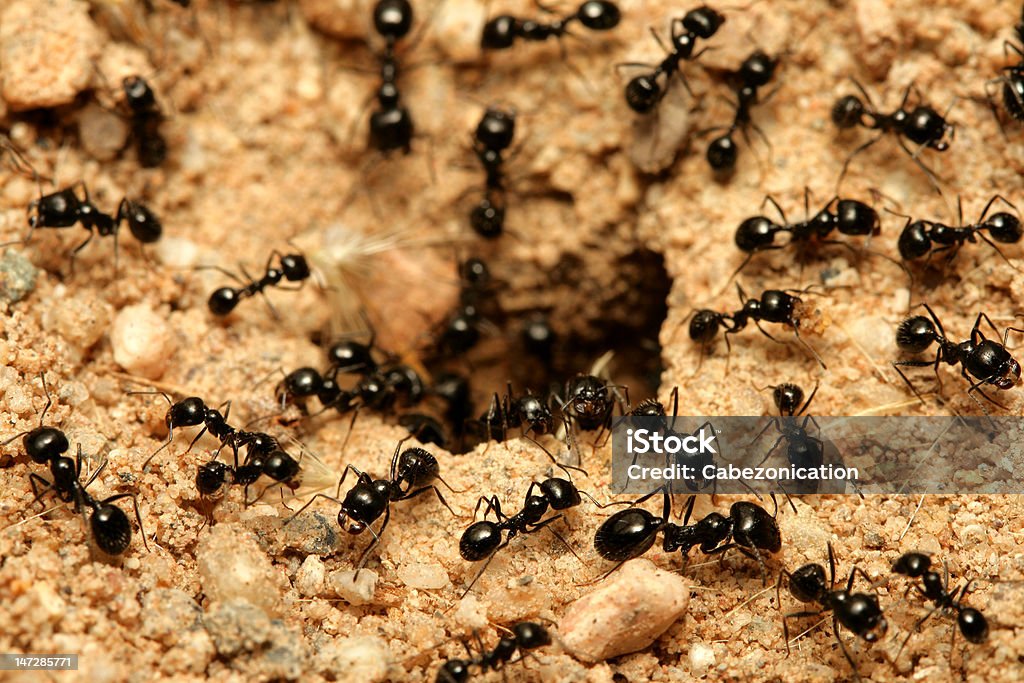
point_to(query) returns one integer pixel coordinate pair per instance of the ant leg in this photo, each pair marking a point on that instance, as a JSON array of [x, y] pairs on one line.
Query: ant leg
[[311, 501], [33, 478], [437, 491], [794, 615], [376, 540], [564, 468], [913, 364], [768, 199], [858, 150], [915, 156], [846, 653]]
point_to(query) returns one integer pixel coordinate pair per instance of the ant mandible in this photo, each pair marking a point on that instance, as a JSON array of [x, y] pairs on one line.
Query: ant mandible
[[502, 31], [644, 92], [923, 126], [924, 238], [982, 361], [754, 73], [292, 267], [858, 612], [971, 622]]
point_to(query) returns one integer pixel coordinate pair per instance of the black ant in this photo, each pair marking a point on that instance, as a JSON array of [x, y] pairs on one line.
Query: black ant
[[755, 72], [493, 136], [923, 238], [391, 124], [292, 267], [145, 122], [923, 126], [412, 473], [501, 32], [971, 622], [630, 533], [1012, 78], [426, 428], [847, 216], [539, 338], [644, 92], [858, 612], [774, 306], [982, 361], [64, 208], [525, 636], [263, 457], [483, 539], [461, 331], [788, 398]]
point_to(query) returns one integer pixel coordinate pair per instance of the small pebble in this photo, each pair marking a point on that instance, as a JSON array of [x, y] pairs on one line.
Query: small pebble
[[234, 568], [309, 580], [142, 341], [625, 613], [423, 575], [17, 277], [702, 658], [355, 590], [359, 658]]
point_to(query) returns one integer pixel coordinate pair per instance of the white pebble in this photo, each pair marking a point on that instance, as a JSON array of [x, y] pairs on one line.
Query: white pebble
[[233, 567], [309, 580], [423, 575], [359, 658], [625, 613], [353, 589], [702, 658], [142, 341]]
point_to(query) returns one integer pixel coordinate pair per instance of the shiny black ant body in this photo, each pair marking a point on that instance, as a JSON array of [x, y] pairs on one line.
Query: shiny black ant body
[[65, 208], [501, 32], [802, 449], [922, 125], [461, 331], [412, 473], [754, 73], [1012, 77], [483, 539], [492, 137], [971, 622], [644, 92], [539, 338], [982, 361], [858, 612], [630, 533], [589, 402], [788, 398], [924, 238], [291, 267], [145, 121], [524, 637], [847, 216], [391, 125], [780, 306]]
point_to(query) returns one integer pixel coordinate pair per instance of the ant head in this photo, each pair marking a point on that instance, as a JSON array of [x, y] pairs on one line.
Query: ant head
[[1010, 374], [392, 18], [499, 33], [807, 583], [916, 334], [390, 127], [43, 444], [599, 15], [848, 112], [479, 540], [143, 223], [755, 233], [530, 636], [475, 273], [973, 625], [561, 494], [757, 69], [912, 564], [110, 529], [188, 412], [627, 534], [788, 398], [1004, 227], [294, 267], [210, 477], [138, 94], [704, 22], [856, 218], [925, 126], [223, 300], [642, 93], [300, 383], [722, 153], [704, 325], [496, 129], [914, 242]]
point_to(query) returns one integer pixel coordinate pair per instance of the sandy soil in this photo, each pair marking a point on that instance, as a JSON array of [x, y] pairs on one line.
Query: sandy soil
[[266, 132]]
